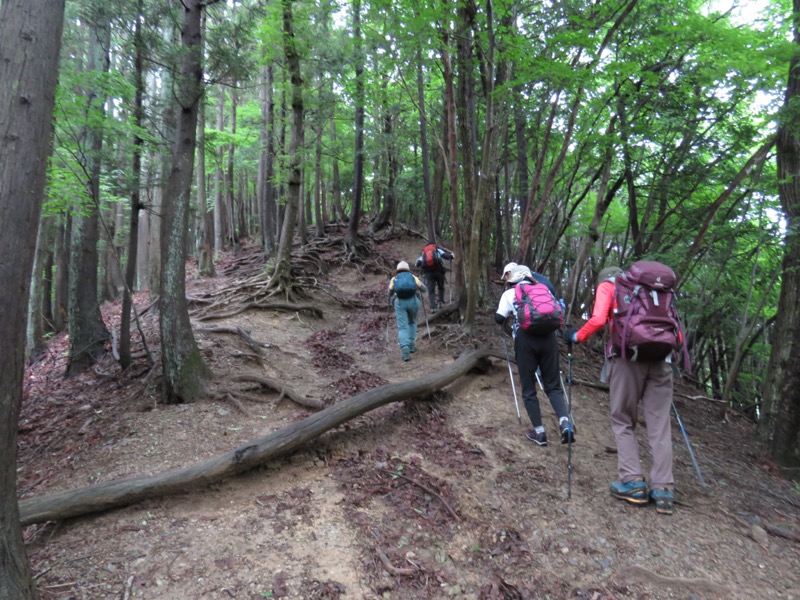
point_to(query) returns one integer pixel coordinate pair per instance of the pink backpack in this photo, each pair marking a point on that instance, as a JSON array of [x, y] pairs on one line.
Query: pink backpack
[[538, 311]]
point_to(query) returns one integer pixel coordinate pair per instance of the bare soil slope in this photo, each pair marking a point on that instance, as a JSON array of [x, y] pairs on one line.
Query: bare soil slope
[[429, 498]]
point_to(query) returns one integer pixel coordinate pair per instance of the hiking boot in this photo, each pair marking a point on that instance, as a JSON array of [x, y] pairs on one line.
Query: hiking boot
[[406, 356], [634, 491], [536, 437], [413, 348], [567, 433], [663, 499]]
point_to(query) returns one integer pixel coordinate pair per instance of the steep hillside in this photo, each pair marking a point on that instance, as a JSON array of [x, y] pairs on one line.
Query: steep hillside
[[438, 497]]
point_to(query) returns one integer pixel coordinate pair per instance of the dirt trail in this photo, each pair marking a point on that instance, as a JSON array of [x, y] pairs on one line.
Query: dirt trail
[[441, 498]]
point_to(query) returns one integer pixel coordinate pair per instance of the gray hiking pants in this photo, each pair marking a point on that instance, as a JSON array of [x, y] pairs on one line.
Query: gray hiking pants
[[651, 384]]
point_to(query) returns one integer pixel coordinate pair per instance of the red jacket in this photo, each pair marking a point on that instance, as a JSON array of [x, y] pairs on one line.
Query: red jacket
[[601, 312]]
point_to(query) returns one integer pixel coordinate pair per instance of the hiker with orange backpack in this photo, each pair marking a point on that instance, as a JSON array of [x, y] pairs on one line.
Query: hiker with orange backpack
[[404, 290], [531, 300], [638, 307], [431, 261]]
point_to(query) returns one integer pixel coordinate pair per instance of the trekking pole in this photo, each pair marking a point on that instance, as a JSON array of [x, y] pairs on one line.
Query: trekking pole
[[571, 424], [387, 326], [539, 379], [511, 376], [689, 446], [425, 312]]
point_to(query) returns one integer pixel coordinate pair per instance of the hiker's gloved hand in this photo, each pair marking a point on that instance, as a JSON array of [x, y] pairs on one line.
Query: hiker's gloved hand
[[499, 319], [570, 335]]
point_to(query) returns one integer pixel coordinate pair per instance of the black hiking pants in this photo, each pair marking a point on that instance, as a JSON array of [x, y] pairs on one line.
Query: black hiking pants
[[539, 352], [432, 280]]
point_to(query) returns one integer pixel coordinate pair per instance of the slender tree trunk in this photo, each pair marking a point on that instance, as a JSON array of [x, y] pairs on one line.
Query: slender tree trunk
[[338, 209], [61, 275], [320, 219], [452, 162], [219, 203], [424, 153], [183, 367], [495, 78], [207, 241], [30, 37], [281, 276], [87, 332], [136, 184], [34, 343], [266, 198], [351, 237], [230, 204]]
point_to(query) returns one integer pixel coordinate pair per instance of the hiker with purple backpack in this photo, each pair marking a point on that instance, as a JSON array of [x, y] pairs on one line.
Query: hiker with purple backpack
[[531, 300], [638, 307]]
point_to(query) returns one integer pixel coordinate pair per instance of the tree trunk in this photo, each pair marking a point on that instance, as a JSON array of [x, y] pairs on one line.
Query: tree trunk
[[61, 274], [123, 492], [219, 202], [318, 207], [781, 412], [87, 332], [30, 36], [452, 160], [34, 343], [135, 204], [494, 127], [430, 216], [351, 237], [183, 367], [282, 264], [338, 210], [206, 262]]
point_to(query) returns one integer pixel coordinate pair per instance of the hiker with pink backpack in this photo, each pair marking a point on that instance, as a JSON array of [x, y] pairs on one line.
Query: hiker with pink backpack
[[645, 335], [531, 301]]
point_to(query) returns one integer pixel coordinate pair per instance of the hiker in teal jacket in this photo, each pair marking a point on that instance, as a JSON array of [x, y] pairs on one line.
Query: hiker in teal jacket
[[404, 290]]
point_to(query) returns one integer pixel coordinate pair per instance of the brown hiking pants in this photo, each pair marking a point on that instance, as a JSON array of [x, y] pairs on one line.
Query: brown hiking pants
[[651, 384]]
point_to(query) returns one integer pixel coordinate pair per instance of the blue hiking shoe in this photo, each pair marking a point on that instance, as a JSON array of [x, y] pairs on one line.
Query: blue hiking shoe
[[663, 499], [413, 348], [634, 491], [406, 356]]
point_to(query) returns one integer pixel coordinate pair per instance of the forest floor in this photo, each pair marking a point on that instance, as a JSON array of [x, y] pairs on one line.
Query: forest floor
[[439, 497]]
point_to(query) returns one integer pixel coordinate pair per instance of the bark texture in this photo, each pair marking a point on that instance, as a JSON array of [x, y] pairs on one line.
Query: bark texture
[[30, 37], [184, 370]]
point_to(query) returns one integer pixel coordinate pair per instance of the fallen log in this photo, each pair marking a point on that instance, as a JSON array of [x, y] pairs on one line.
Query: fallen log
[[124, 492]]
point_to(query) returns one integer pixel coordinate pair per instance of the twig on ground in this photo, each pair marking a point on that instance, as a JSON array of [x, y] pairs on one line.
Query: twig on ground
[[427, 489], [390, 567], [128, 586]]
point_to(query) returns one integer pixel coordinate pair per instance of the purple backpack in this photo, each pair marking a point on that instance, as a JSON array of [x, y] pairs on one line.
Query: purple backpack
[[538, 312], [645, 324]]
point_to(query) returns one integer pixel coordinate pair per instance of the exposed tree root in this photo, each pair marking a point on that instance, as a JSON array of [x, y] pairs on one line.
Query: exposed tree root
[[124, 492], [279, 387], [287, 306], [241, 332], [230, 395]]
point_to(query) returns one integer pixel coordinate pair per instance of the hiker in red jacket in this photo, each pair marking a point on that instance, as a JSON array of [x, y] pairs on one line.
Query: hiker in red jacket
[[431, 261], [632, 382]]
